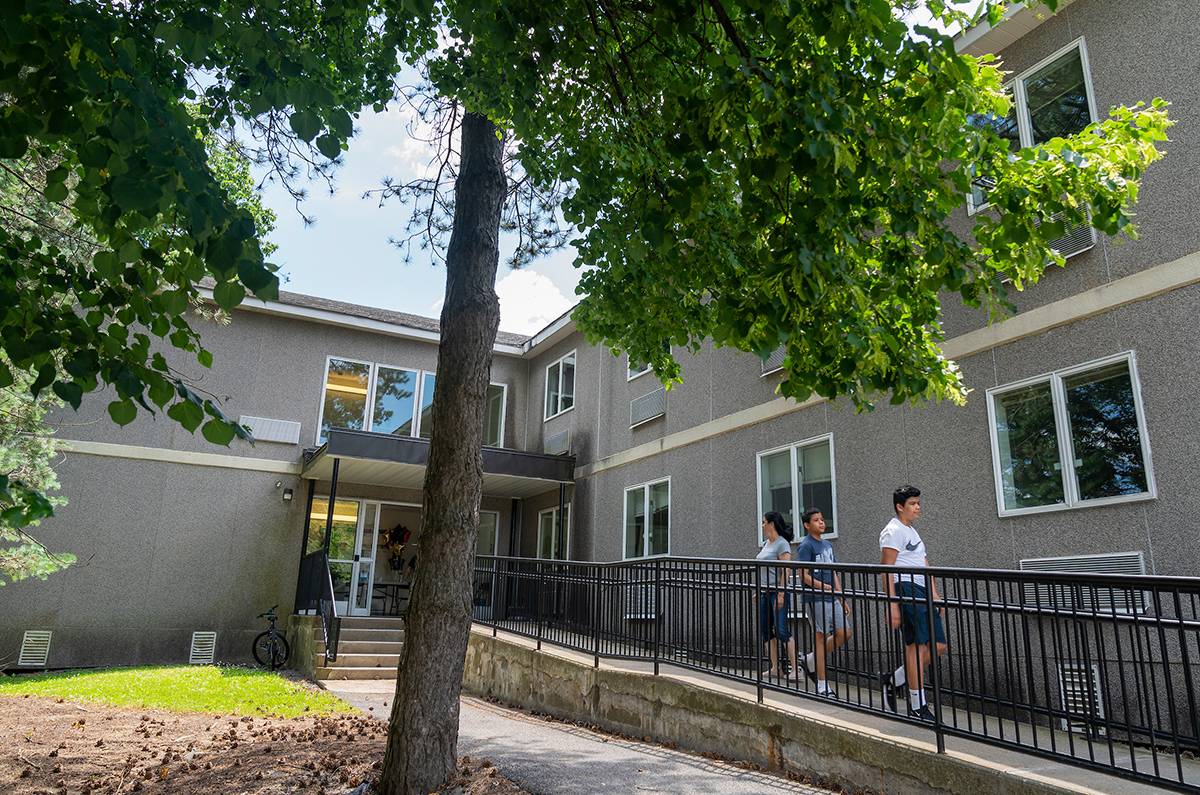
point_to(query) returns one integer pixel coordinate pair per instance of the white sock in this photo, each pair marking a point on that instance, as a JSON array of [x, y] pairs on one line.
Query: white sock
[[810, 661], [821, 685], [916, 699], [898, 677]]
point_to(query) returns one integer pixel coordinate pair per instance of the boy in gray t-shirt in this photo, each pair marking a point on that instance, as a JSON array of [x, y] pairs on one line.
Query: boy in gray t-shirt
[[822, 596]]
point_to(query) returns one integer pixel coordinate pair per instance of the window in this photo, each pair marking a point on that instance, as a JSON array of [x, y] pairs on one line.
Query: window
[[343, 531], [362, 396], [560, 386], [795, 478], [489, 525], [548, 546], [648, 519], [635, 370], [1072, 438], [1052, 99]]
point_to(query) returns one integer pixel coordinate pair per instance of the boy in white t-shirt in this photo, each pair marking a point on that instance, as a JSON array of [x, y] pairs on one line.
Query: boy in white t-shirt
[[900, 545]]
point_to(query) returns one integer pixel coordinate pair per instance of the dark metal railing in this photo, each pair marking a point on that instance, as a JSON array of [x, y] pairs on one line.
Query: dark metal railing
[[1101, 671], [314, 591]]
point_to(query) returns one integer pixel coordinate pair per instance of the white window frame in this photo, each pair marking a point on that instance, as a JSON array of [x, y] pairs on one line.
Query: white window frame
[[630, 375], [496, 551], [645, 487], [795, 447], [1071, 498], [1021, 105], [546, 386], [418, 396], [503, 412], [566, 535]]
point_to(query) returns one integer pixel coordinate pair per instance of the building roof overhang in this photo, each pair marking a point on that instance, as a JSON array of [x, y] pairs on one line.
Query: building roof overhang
[[378, 459], [1018, 19]]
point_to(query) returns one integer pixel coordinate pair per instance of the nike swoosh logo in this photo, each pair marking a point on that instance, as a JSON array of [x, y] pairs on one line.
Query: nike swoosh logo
[[911, 547]]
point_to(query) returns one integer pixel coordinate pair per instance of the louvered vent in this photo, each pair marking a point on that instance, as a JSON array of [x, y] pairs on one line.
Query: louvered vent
[[1082, 699], [641, 602], [1087, 598], [204, 646], [35, 649], [1077, 239], [774, 361], [647, 407], [557, 443], [269, 430]]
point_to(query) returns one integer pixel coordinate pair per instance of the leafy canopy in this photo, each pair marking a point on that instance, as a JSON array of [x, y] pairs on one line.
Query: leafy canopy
[[785, 173]]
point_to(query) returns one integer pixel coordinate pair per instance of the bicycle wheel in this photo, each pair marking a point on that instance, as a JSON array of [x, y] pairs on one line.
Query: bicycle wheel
[[271, 650]]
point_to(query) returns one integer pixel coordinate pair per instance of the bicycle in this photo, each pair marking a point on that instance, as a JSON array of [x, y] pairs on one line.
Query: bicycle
[[271, 647]]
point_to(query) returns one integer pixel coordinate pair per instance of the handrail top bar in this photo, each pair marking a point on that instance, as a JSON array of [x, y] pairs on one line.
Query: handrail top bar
[[1010, 575]]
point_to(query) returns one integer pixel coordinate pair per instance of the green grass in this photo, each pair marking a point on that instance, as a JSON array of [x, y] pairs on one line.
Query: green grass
[[180, 688]]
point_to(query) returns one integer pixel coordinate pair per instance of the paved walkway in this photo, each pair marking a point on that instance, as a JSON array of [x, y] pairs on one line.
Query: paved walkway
[[550, 757]]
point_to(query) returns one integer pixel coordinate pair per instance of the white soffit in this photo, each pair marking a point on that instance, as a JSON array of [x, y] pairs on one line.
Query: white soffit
[[1019, 19]]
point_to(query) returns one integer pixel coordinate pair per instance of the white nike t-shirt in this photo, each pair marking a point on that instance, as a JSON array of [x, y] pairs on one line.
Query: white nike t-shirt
[[910, 549]]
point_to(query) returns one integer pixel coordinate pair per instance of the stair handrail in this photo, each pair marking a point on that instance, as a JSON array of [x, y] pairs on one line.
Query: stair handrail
[[331, 622]]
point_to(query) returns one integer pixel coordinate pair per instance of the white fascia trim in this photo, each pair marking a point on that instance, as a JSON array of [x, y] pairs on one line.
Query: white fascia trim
[[550, 335], [164, 455], [331, 318], [1019, 18], [1140, 286]]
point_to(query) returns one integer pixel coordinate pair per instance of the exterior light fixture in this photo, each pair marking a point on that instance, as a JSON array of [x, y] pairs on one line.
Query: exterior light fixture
[[287, 495]]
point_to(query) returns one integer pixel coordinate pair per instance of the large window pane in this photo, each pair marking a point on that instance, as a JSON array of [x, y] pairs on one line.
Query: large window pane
[[1005, 127], [395, 401], [1105, 435], [635, 522], [427, 385], [776, 476], [493, 419], [485, 543], [816, 479], [552, 545], [660, 518], [552, 378], [344, 528], [345, 404], [1030, 467], [568, 383], [1057, 99]]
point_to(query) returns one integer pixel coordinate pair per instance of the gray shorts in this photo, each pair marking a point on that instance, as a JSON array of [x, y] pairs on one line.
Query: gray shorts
[[827, 616]]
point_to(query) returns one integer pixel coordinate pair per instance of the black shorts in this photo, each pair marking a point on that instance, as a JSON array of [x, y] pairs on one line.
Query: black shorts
[[914, 615]]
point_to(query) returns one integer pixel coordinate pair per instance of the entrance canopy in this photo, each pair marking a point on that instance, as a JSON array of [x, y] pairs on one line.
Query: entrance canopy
[[379, 459]]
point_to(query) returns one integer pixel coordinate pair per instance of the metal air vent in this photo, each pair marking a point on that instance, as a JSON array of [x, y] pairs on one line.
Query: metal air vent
[[774, 362], [269, 430], [1077, 239], [35, 649], [204, 646], [647, 407], [1087, 598], [641, 602], [1082, 699], [558, 443]]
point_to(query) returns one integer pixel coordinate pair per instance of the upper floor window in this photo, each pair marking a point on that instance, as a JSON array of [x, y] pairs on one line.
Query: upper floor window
[[560, 386], [553, 545], [798, 477], [635, 369], [1072, 438], [1052, 99], [648, 519], [363, 396]]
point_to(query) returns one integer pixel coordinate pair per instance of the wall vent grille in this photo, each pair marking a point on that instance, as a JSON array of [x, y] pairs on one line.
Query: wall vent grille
[[1082, 698], [774, 362], [647, 407], [1076, 240], [1087, 598], [35, 649], [204, 647], [558, 443], [266, 429]]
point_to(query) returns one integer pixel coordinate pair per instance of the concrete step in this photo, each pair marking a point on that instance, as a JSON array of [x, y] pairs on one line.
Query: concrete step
[[345, 660], [336, 672], [364, 622], [374, 635], [370, 647]]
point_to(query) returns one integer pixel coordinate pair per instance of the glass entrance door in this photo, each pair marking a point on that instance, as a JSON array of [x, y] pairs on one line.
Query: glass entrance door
[[344, 537], [363, 572]]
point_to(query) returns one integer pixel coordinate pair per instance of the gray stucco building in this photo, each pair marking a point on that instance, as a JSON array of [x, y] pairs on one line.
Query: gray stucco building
[[1078, 440]]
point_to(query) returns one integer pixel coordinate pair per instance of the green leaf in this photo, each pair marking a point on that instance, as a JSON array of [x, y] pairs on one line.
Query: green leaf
[[70, 392], [204, 357], [329, 146], [218, 432], [122, 411], [305, 124], [187, 414], [228, 295], [161, 391], [55, 191]]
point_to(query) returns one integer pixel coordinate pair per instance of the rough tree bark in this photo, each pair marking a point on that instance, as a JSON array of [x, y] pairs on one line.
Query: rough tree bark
[[423, 734]]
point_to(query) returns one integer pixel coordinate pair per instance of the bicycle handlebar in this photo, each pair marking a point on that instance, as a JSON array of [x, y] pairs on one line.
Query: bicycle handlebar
[[269, 614]]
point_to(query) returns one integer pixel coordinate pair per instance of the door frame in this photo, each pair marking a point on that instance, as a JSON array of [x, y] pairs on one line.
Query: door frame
[[366, 503]]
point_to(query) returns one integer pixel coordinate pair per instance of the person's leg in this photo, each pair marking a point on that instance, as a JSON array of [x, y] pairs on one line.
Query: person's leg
[[819, 655], [783, 633]]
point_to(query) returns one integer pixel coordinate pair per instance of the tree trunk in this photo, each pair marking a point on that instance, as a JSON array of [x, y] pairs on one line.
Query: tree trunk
[[423, 733]]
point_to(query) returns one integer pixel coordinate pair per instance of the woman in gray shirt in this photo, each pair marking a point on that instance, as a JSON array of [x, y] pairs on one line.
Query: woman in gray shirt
[[774, 602]]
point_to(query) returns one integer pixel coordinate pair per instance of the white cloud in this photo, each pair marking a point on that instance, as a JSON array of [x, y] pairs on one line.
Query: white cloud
[[529, 301]]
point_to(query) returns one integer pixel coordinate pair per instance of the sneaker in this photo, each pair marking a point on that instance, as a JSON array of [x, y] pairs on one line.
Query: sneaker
[[922, 713], [889, 690], [828, 692], [812, 675]]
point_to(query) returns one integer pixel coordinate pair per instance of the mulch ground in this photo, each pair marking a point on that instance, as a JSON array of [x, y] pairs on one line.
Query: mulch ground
[[52, 746]]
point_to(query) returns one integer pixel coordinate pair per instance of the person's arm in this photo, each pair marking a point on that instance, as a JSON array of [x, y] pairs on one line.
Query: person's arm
[[781, 578], [837, 588], [933, 589], [887, 556]]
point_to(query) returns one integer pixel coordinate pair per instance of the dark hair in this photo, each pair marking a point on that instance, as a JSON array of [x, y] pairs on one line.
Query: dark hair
[[781, 527], [807, 516], [903, 494]]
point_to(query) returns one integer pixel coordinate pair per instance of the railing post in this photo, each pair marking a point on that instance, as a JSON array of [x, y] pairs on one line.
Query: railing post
[[756, 625], [656, 610], [492, 596], [933, 666], [596, 612], [537, 602]]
